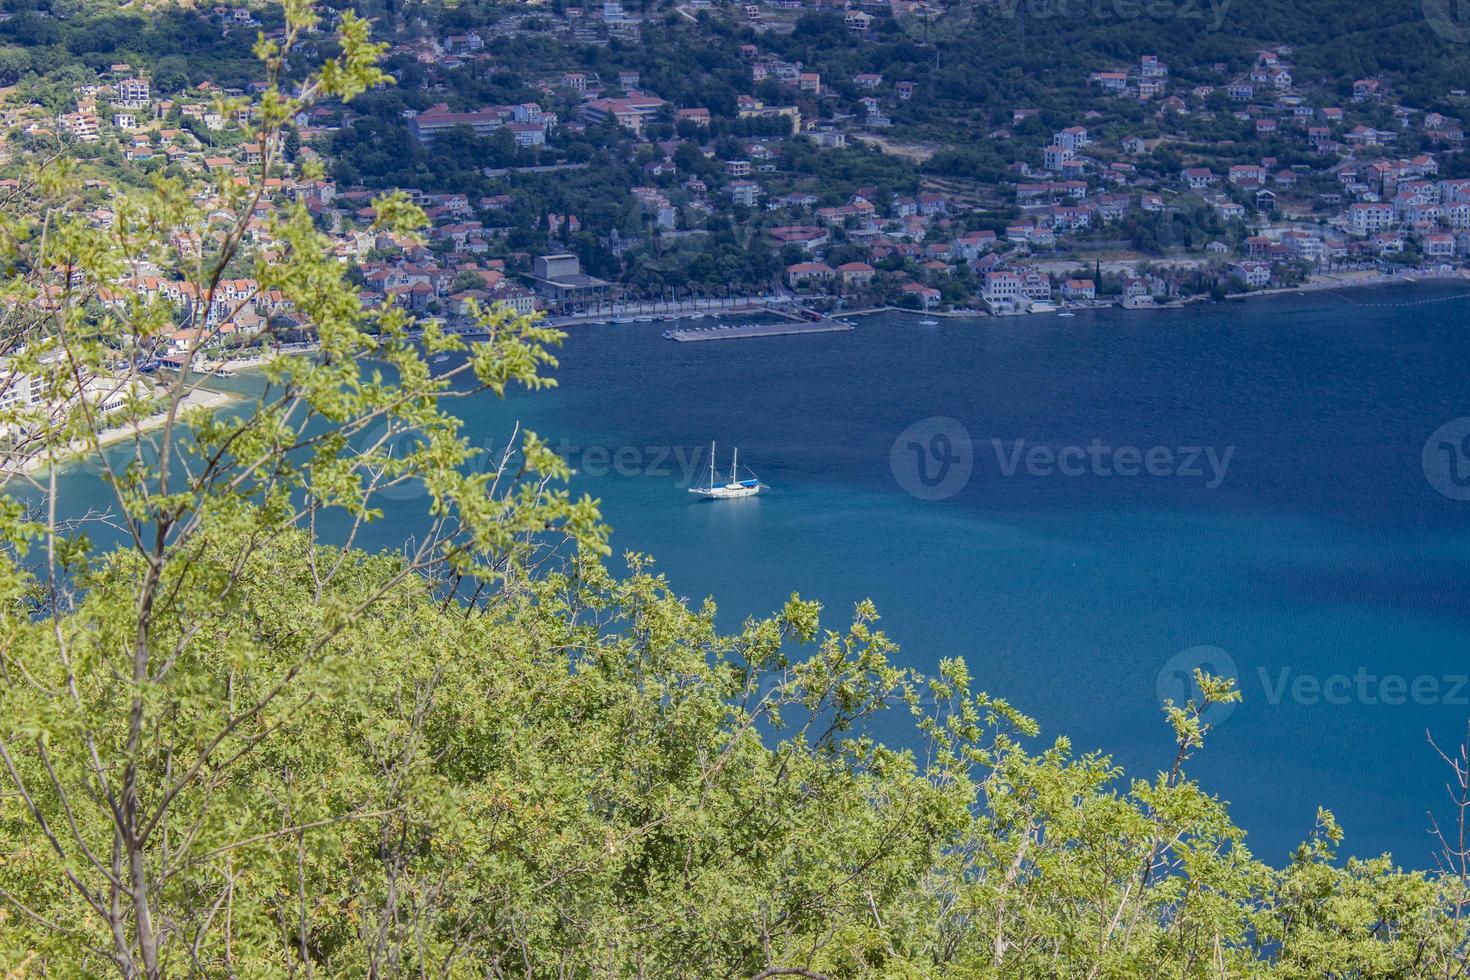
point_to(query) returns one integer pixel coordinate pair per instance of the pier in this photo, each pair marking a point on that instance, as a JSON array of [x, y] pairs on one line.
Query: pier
[[744, 330]]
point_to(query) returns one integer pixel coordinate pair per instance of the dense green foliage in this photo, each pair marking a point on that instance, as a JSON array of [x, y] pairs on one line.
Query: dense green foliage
[[979, 61], [44, 42], [586, 779]]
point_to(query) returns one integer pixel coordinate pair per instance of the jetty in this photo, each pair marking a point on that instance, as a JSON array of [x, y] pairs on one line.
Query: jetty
[[739, 331]]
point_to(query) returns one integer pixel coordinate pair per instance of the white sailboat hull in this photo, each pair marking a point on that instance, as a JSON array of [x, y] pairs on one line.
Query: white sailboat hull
[[728, 491]]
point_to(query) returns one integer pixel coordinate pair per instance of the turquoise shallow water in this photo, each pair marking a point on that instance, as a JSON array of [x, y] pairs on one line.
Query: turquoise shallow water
[[1324, 557]]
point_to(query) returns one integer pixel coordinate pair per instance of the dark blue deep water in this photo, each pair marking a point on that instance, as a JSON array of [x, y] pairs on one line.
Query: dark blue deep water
[[1325, 564]]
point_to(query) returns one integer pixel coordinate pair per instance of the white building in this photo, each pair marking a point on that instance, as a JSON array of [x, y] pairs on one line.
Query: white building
[[1367, 217], [1002, 289], [1055, 157], [1255, 274], [82, 125], [1073, 138], [1304, 245], [745, 192], [133, 93], [17, 390], [1439, 246], [521, 300], [1198, 177]]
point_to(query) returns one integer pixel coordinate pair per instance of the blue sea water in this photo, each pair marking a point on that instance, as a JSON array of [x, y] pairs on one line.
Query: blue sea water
[[1321, 564]]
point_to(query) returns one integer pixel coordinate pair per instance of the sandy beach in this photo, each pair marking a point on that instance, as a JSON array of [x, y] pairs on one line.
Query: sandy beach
[[207, 398], [1353, 280]]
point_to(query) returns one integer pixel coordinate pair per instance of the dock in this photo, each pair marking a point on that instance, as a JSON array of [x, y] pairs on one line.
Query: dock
[[744, 330]]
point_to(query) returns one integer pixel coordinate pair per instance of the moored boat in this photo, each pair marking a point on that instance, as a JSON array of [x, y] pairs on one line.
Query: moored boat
[[736, 487]]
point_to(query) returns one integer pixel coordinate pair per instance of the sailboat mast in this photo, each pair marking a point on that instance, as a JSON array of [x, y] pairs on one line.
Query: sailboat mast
[[735, 466], [712, 464]]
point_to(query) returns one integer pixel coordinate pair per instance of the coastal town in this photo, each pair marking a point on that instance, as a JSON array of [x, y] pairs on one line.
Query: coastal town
[[1319, 186]]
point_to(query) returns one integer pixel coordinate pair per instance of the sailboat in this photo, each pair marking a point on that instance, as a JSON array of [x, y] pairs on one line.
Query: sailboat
[[735, 488]]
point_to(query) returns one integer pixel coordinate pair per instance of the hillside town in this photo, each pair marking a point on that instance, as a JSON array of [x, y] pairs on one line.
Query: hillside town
[[1322, 191]]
